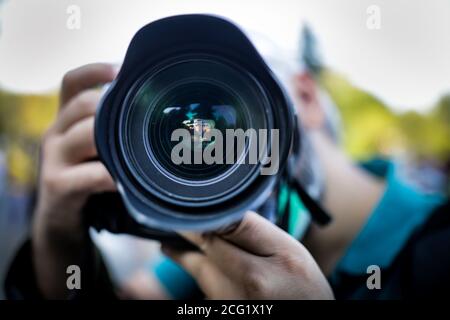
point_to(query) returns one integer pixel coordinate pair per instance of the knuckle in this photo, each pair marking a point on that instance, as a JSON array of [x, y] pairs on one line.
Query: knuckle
[[94, 178], [86, 101], [68, 78], [106, 180], [206, 242], [98, 179], [52, 182], [244, 227], [291, 264], [256, 284]]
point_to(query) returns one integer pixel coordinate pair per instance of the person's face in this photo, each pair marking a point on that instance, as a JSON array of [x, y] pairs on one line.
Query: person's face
[[307, 101]]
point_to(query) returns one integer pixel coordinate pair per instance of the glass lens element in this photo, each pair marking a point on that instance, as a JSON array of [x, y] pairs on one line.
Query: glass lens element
[[198, 107]]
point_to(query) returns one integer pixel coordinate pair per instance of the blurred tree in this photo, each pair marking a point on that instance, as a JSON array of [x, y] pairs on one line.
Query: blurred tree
[[370, 127], [23, 120]]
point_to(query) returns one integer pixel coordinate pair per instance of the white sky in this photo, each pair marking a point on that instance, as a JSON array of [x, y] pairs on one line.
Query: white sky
[[406, 63]]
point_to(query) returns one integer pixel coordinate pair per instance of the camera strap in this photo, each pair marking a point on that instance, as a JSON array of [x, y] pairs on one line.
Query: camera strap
[[291, 183]]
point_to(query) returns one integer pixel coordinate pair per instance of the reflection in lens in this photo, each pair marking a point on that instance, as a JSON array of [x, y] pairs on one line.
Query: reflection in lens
[[198, 107]]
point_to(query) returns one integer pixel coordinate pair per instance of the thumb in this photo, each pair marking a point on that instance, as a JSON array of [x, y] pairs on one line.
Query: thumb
[[259, 236]]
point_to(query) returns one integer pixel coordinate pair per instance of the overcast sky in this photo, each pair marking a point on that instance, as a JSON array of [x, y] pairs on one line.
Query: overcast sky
[[406, 62]]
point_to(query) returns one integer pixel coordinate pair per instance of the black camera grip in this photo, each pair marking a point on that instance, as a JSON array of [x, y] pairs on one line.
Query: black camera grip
[[106, 211]]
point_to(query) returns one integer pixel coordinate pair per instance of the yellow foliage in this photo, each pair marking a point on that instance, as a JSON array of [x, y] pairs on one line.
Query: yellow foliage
[[36, 114], [20, 164], [371, 128]]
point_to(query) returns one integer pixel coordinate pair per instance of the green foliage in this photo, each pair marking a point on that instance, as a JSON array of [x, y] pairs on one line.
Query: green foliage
[[371, 128]]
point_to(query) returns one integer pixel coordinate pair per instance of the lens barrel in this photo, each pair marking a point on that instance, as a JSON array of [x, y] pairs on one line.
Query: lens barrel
[[201, 75]]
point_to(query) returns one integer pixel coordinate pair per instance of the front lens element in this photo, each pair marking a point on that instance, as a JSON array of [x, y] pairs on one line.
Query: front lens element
[[199, 107], [203, 97]]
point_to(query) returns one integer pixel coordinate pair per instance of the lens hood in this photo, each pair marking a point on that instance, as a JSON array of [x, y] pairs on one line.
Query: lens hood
[[212, 53]]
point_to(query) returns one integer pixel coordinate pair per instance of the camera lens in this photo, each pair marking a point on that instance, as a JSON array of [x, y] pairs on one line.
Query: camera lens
[[197, 94], [198, 106], [193, 89]]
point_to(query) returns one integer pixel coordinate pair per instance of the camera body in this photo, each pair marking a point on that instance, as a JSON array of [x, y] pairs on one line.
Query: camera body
[[187, 71]]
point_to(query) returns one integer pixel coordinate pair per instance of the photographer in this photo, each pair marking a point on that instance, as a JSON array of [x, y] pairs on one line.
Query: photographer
[[60, 239], [376, 212], [255, 260]]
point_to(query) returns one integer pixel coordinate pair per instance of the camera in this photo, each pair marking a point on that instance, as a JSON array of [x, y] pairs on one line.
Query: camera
[[199, 75]]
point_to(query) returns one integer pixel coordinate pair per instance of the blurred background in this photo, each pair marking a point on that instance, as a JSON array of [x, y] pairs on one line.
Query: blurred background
[[389, 77]]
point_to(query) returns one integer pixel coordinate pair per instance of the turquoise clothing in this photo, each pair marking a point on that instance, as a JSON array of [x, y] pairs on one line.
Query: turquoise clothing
[[177, 283], [402, 209]]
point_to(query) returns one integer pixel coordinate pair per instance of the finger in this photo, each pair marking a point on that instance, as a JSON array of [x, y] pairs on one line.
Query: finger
[[85, 77], [79, 107], [259, 236], [78, 142], [211, 281], [228, 257], [87, 178]]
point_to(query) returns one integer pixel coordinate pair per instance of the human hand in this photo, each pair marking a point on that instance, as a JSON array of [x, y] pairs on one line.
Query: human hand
[[256, 260], [67, 177]]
